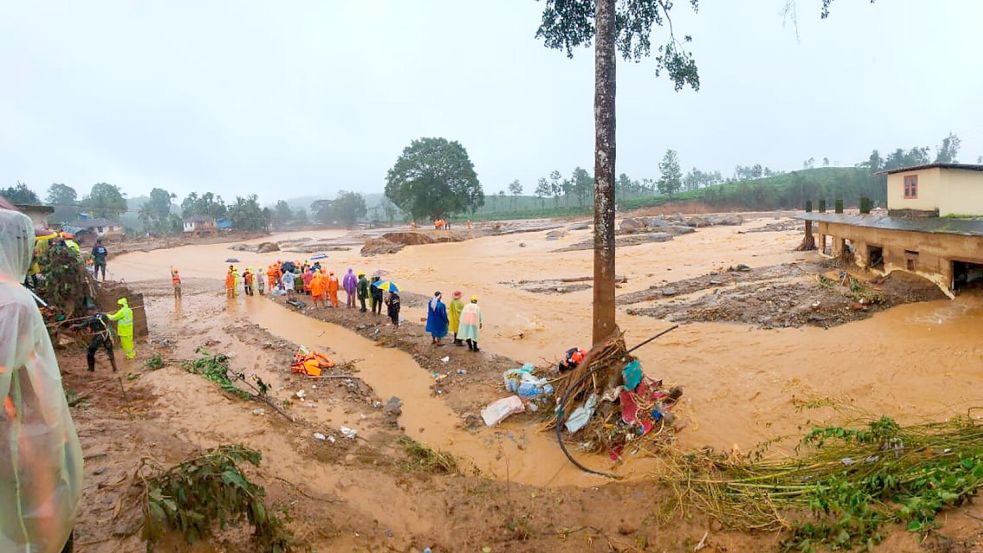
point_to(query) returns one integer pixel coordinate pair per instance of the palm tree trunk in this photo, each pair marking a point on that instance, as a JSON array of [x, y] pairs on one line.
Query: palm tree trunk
[[604, 155]]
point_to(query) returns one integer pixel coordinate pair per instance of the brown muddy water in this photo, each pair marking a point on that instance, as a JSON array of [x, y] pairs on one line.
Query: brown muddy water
[[742, 385]]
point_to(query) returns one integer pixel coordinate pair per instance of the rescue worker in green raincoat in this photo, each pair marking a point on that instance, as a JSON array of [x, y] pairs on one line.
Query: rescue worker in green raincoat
[[363, 290], [124, 327]]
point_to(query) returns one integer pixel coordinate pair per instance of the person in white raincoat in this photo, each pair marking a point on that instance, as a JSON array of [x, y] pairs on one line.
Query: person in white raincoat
[[470, 326], [40, 456]]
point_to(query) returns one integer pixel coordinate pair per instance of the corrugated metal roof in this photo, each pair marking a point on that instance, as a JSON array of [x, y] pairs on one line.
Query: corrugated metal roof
[[963, 166], [931, 225]]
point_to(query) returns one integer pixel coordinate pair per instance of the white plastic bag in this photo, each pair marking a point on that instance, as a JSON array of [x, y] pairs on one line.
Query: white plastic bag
[[501, 409]]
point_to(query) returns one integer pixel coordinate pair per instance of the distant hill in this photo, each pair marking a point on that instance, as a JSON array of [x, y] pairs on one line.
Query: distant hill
[[785, 191]]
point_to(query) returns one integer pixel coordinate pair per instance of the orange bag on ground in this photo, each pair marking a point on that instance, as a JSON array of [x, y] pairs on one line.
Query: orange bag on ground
[[310, 363]]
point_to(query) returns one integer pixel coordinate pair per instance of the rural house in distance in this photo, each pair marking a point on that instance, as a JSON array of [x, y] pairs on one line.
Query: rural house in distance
[[933, 226]]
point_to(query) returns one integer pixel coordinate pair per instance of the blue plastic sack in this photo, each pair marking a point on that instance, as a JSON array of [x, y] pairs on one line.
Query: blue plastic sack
[[632, 374]]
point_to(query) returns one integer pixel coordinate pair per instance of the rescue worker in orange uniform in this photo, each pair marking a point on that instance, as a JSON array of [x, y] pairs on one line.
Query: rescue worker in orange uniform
[[333, 289], [318, 286], [230, 282], [271, 277]]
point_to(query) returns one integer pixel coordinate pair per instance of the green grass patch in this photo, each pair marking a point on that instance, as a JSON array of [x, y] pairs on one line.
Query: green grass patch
[[421, 457]]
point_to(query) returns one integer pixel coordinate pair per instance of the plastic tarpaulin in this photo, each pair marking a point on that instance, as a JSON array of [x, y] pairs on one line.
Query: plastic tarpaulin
[[40, 456]]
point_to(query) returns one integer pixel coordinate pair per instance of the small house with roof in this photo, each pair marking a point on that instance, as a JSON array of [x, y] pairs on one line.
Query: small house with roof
[[933, 227]]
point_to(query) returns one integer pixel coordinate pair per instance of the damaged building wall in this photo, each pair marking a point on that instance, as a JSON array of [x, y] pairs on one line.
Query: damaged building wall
[[929, 255]]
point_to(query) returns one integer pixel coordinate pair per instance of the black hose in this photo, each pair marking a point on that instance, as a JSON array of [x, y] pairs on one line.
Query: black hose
[[559, 428], [566, 398]]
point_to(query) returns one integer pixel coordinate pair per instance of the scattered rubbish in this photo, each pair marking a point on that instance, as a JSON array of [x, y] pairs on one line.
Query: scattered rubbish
[[259, 411], [296, 303], [300, 394], [501, 409], [438, 376], [320, 437], [445, 359], [331, 439], [349, 433], [524, 384], [462, 371], [578, 419], [317, 256], [847, 461]]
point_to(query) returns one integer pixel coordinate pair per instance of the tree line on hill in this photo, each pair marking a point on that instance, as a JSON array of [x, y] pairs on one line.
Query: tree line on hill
[[752, 186]]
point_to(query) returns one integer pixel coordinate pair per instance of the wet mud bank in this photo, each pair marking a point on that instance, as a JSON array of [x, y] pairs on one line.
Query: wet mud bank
[[782, 296]]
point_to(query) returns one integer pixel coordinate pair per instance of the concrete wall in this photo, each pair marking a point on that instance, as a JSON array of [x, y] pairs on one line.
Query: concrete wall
[[961, 193], [929, 189], [935, 252]]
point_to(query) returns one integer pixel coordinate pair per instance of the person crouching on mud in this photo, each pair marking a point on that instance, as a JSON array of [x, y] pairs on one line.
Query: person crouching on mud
[[102, 337]]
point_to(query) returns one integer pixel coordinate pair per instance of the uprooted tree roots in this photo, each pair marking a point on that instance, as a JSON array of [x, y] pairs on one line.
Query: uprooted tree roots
[[206, 492]]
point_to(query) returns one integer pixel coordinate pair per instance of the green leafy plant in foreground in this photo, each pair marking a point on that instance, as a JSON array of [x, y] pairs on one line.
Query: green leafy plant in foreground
[[216, 368], [848, 485], [206, 491], [155, 362]]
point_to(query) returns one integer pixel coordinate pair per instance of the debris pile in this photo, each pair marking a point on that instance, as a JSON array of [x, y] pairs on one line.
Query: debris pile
[[606, 402]]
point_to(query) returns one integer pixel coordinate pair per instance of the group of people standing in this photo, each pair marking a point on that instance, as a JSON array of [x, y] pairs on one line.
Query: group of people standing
[[462, 322]]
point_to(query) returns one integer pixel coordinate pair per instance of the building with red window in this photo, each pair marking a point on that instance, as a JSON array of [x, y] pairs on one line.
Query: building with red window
[[933, 227]]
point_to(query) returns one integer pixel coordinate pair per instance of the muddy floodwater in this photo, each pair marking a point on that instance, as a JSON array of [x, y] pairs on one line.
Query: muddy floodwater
[[913, 362]]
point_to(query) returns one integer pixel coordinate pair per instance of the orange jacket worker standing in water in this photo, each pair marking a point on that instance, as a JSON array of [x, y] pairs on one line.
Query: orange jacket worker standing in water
[[230, 283]]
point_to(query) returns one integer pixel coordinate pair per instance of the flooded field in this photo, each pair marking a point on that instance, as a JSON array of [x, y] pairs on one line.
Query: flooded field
[[913, 361], [744, 385]]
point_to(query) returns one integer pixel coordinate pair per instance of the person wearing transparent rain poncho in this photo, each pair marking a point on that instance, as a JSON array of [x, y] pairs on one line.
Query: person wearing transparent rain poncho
[[40, 456]]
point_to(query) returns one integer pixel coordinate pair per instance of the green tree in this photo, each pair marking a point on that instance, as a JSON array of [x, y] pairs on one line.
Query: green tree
[[20, 194], [671, 179], [543, 189], [948, 150], [389, 209], [582, 184], [246, 214], [206, 205], [61, 195], [323, 211], [349, 207], [612, 26], [282, 214], [434, 177], [105, 200], [300, 215], [155, 213], [515, 189], [622, 186], [555, 186], [64, 199]]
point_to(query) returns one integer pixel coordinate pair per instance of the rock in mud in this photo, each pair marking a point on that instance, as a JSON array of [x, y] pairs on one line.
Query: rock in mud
[[556, 234], [394, 406], [579, 226], [267, 247], [727, 220]]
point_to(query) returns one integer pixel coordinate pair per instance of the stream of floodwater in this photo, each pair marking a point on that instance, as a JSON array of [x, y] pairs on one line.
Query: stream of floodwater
[[742, 385]]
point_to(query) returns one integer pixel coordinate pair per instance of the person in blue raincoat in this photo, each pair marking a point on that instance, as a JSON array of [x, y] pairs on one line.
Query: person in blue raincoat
[[437, 318]]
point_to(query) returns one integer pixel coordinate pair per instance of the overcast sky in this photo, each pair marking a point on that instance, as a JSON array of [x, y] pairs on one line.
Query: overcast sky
[[285, 99]]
